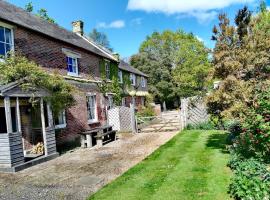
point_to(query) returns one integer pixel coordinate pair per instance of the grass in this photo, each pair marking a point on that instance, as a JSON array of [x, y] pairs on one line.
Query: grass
[[190, 166]]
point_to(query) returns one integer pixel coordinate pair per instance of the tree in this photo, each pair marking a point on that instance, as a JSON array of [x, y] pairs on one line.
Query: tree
[[242, 21], [164, 56], [29, 7], [242, 69], [100, 38], [42, 13]]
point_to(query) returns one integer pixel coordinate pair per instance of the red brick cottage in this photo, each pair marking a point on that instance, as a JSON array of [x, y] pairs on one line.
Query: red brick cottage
[[79, 60]]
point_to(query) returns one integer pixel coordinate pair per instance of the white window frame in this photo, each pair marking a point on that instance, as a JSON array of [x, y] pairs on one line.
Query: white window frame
[[2, 24], [95, 120], [120, 75], [133, 79], [64, 125], [75, 56], [107, 70], [110, 101], [143, 82]]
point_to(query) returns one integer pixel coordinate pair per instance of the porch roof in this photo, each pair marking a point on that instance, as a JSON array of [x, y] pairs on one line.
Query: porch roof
[[14, 89]]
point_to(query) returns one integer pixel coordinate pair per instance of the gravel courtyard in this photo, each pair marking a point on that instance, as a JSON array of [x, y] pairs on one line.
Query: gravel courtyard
[[76, 175]]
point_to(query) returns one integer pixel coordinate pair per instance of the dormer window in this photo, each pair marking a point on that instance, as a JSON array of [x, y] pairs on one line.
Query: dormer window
[[6, 41], [133, 79], [143, 82]]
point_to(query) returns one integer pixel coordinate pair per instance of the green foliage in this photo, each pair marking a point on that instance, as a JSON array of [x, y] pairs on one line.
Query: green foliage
[[176, 62], [251, 179], [254, 139], [42, 13], [146, 111], [201, 126], [114, 87], [29, 7], [100, 38], [33, 78]]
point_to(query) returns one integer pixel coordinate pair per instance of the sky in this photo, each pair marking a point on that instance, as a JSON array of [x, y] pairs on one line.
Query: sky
[[127, 23]]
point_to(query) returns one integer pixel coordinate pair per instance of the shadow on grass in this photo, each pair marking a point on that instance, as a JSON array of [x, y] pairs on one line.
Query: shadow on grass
[[217, 141]]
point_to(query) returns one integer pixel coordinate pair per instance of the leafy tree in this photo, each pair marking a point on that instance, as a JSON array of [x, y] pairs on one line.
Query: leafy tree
[[42, 13], [100, 38], [164, 56], [29, 7], [242, 21]]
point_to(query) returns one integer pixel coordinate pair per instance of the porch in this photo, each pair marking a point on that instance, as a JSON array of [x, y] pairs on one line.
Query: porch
[[27, 135]]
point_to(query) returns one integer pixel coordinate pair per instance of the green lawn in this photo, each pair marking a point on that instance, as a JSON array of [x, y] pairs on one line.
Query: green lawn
[[190, 166]]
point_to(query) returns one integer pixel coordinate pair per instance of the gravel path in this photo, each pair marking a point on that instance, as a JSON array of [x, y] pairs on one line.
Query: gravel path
[[78, 174]]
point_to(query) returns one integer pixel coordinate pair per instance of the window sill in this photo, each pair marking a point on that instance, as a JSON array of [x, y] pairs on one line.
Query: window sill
[[61, 126], [93, 122], [73, 75]]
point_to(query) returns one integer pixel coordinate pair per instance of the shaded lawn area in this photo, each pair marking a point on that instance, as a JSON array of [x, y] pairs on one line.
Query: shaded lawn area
[[190, 166]]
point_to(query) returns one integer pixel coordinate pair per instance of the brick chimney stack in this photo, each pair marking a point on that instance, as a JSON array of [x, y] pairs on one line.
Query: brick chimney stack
[[78, 27]]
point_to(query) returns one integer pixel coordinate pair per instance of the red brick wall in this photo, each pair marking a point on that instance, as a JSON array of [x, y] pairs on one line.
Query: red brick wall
[[138, 101], [47, 52]]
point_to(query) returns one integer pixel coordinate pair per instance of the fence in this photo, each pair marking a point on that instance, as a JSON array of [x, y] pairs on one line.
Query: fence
[[122, 118], [193, 111]]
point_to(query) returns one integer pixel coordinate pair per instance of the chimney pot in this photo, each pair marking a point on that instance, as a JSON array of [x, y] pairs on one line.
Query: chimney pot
[[78, 27]]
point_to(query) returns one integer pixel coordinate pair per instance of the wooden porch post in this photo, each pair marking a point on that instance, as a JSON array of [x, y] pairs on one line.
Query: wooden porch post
[[50, 115], [43, 126], [18, 115], [8, 114]]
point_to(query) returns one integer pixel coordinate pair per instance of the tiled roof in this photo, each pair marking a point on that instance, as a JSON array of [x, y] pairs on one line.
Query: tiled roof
[[18, 16], [126, 67]]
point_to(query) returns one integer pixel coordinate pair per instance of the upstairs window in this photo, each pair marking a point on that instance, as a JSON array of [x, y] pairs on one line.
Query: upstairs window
[[92, 108], [107, 70], [133, 79], [143, 82], [6, 41], [120, 76], [72, 66]]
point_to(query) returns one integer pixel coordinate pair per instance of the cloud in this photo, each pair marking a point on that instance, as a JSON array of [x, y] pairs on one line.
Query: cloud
[[199, 38], [136, 21], [203, 10], [113, 24]]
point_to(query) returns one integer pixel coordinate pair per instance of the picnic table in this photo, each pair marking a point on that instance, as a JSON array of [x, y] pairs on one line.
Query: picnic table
[[98, 136]]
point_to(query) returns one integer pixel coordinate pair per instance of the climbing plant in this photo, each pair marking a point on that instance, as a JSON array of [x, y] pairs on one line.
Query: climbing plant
[[33, 77]]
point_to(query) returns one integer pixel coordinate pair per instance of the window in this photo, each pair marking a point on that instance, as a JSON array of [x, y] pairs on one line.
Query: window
[[143, 82], [60, 120], [6, 40], [133, 79], [120, 76], [92, 108], [107, 70], [72, 66]]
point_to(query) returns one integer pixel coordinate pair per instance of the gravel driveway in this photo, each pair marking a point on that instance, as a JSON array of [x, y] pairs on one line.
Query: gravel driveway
[[78, 174]]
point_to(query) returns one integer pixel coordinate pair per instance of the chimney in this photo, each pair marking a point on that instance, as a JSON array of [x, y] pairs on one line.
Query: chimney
[[78, 27], [117, 56]]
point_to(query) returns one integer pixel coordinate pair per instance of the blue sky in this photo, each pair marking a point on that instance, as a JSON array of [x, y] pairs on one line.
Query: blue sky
[[128, 22]]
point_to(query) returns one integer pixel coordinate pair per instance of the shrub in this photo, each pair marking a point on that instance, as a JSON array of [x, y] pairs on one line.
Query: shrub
[[201, 126], [251, 180], [147, 111]]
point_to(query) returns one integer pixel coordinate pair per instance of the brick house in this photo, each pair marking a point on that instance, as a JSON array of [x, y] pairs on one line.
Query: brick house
[[74, 56]]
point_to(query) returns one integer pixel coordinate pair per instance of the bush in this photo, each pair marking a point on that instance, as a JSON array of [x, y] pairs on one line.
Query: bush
[[251, 179], [147, 111], [201, 126]]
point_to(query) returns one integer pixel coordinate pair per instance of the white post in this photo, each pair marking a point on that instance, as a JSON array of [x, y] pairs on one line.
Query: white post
[[133, 121], [8, 114], [50, 115], [43, 126], [18, 115]]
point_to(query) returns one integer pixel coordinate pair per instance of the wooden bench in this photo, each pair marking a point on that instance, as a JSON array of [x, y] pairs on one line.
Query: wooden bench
[[100, 135]]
